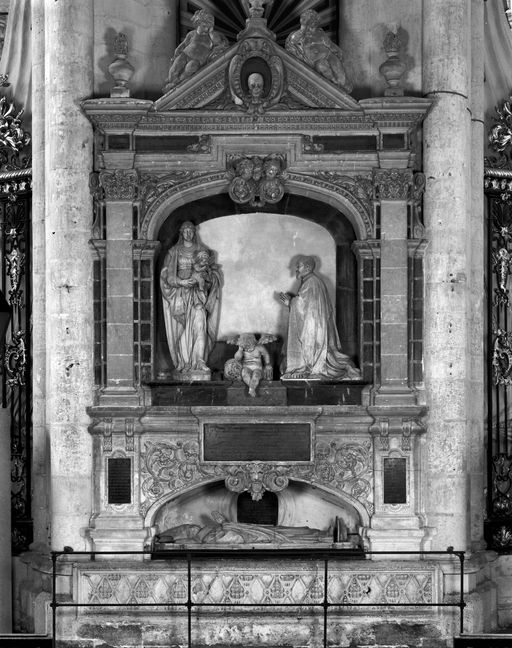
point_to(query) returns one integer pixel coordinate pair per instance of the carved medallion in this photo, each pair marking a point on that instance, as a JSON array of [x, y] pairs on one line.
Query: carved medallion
[[256, 76]]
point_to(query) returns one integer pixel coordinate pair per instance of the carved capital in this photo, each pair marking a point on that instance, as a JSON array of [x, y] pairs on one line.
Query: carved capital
[[119, 184], [256, 478], [393, 184]]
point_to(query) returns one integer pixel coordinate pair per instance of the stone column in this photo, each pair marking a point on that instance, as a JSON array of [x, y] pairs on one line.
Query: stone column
[[5, 526], [40, 458], [447, 136], [476, 410], [69, 317]]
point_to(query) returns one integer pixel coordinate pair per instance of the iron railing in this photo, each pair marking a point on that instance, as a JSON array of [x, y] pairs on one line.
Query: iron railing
[[191, 556]]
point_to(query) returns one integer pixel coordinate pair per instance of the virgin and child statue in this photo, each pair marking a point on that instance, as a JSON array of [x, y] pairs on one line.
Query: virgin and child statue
[[190, 283]]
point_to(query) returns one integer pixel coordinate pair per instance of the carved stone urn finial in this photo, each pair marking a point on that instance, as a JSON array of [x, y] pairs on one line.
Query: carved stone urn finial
[[257, 8], [121, 69], [256, 24], [393, 69]]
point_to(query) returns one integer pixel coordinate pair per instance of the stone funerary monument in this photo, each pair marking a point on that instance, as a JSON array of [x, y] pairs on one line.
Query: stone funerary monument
[[258, 252]]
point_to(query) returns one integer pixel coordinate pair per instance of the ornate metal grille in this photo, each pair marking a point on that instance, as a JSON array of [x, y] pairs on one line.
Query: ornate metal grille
[[16, 375], [15, 245], [498, 190]]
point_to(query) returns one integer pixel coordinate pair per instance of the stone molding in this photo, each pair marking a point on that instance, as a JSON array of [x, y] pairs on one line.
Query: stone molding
[[356, 190]]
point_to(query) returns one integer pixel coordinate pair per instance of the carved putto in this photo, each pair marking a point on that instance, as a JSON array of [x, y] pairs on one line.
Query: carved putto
[[200, 47], [255, 176], [311, 45], [251, 363]]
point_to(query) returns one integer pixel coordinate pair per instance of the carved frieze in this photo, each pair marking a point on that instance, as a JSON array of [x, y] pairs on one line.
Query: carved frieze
[[119, 184], [170, 467], [250, 584], [211, 122]]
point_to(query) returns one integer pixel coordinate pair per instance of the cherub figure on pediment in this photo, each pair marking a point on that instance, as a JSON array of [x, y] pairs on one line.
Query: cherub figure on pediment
[[201, 45], [311, 45]]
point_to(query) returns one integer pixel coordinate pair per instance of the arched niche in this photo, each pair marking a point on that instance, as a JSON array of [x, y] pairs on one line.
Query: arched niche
[[299, 505], [265, 266]]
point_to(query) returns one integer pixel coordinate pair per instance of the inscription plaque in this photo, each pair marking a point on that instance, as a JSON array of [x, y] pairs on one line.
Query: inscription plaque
[[395, 484], [257, 442], [119, 481]]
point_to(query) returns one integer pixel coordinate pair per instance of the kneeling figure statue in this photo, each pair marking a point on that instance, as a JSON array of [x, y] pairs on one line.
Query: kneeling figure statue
[[313, 346]]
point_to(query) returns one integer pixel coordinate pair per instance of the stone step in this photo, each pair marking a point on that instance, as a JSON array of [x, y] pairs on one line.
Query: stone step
[[483, 641], [25, 641]]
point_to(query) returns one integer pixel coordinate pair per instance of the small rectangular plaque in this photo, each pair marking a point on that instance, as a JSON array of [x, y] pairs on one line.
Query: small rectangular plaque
[[395, 480], [119, 480], [257, 442]]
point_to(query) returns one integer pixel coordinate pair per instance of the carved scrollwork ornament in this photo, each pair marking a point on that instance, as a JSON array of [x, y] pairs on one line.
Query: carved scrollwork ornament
[[502, 538], [310, 146], [15, 360], [119, 184], [502, 266], [15, 264], [203, 145], [13, 138], [256, 478], [502, 358]]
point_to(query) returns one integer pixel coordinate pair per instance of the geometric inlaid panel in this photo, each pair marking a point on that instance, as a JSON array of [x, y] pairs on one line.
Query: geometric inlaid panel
[[245, 582]]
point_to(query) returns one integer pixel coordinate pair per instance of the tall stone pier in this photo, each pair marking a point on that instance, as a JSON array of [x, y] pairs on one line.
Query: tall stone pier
[[447, 137], [68, 76]]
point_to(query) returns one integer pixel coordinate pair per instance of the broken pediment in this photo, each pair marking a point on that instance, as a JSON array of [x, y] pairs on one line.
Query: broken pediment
[[256, 75]]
